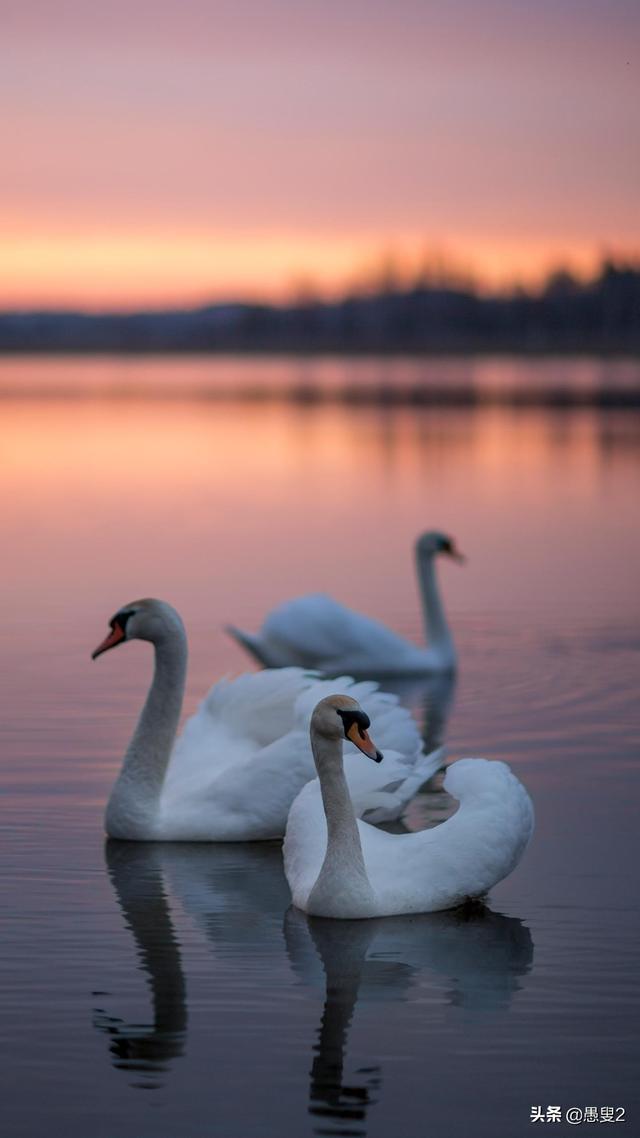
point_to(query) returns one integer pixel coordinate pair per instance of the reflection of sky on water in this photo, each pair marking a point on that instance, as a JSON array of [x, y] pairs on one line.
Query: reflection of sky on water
[[224, 510], [182, 500], [208, 376]]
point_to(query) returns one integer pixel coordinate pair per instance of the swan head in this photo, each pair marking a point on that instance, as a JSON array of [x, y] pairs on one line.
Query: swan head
[[432, 542], [147, 619], [339, 717]]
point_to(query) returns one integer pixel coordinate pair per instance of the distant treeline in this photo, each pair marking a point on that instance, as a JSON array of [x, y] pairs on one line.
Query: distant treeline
[[602, 315]]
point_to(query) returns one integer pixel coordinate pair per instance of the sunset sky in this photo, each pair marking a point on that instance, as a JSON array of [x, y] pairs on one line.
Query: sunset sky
[[174, 152]]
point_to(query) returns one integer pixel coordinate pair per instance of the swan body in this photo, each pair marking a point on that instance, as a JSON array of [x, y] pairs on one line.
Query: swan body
[[244, 756], [338, 866], [318, 632]]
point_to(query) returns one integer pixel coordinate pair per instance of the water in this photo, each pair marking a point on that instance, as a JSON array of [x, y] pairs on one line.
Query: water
[[171, 991]]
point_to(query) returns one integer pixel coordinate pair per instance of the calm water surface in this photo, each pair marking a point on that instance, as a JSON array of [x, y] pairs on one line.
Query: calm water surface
[[170, 991]]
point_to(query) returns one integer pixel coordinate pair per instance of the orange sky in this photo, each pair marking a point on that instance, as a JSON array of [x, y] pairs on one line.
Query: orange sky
[[166, 153]]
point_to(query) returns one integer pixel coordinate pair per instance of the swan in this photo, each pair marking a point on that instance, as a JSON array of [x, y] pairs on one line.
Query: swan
[[242, 758], [315, 631], [339, 867]]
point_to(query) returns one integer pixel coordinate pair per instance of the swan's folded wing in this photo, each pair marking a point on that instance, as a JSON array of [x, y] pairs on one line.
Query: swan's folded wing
[[253, 797], [246, 798], [380, 793], [432, 869], [463, 857], [317, 630], [257, 705], [387, 800], [392, 726], [234, 721]]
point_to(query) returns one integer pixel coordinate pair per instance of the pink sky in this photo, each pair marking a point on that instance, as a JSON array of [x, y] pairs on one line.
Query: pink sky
[[163, 152]]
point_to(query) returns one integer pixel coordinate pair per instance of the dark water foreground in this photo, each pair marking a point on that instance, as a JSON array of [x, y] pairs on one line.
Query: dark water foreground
[[171, 991]]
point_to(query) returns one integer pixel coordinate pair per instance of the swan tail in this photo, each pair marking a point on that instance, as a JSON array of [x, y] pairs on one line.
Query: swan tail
[[253, 645]]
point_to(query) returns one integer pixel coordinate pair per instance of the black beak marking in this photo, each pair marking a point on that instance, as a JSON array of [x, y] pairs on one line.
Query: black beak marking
[[361, 720], [350, 717]]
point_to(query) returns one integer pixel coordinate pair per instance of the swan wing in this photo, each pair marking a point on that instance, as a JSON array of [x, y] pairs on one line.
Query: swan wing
[[461, 858], [258, 705], [392, 726], [380, 793], [387, 799], [236, 721], [249, 711], [433, 869], [224, 784], [246, 753]]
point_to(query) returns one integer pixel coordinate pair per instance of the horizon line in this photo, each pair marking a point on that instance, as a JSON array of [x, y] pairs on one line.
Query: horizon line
[[388, 281]]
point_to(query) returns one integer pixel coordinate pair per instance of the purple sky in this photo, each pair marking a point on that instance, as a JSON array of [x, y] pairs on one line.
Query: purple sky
[[175, 151]]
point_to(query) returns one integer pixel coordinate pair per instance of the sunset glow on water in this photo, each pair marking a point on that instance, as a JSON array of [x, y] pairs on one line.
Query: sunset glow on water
[[282, 287], [163, 969]]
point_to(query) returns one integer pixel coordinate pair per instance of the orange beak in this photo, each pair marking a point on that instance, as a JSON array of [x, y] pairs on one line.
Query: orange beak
[[116, 636], [363, 741]]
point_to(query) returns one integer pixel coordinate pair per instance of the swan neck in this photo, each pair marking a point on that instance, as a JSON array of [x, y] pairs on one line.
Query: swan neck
[[344, 865], [135, 798], [436, 627]]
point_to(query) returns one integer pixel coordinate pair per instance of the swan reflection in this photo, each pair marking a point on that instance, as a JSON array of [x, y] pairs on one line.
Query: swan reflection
[[136, 874], [331, 1094], [235, 895], [430, 698], [483, 956]]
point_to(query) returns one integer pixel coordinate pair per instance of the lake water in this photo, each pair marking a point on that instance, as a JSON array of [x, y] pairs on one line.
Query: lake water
[[170, 991]]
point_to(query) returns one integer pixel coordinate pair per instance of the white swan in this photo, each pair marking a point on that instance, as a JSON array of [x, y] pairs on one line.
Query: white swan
[[240, 761], [339, 867], [315, 631]]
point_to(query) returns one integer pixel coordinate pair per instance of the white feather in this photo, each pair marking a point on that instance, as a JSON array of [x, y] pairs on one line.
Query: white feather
[[430, 870]]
